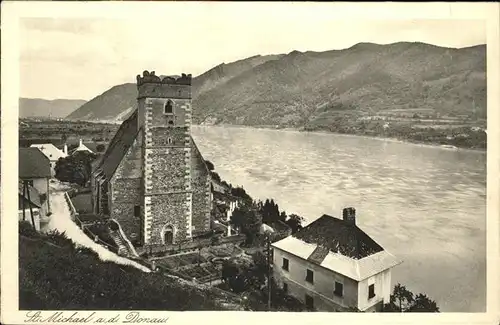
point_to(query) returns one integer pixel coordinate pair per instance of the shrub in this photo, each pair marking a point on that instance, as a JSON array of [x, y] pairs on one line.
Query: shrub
[[27, 229]]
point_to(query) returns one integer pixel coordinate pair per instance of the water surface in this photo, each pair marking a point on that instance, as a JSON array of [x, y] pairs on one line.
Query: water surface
[[426, 205]]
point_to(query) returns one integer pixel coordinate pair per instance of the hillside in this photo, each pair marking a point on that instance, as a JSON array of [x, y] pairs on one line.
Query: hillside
[[50, 264], [115, 103], [57, 108], [312, 89]]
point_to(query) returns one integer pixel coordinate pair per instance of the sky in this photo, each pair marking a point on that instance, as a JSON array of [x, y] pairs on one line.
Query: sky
[[81, 57]]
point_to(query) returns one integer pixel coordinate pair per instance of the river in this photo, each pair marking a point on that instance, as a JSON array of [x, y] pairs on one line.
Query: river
[[424, 204]]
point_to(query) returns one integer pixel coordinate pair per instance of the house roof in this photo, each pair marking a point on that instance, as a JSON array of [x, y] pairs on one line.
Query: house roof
[[33, 163], [356, 269], [81, 147], [92, 146], [34, 195], [339, 237], [118, 147], [50, 151]]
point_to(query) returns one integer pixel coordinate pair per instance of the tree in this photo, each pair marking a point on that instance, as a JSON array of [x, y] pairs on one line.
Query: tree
[[247, 220], [210, 165], [75, 168], [294, 222], [283, 216], [423, 303], [403, 300], [215, 176], [100, 147], [241, 193]]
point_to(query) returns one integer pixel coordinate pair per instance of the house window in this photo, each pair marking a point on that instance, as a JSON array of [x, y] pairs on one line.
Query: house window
[[310, 276], [285, 287], [169, 107], [137, 211], [309, 302], [371, 291], [169, 140], [339, 289], [285, 264]]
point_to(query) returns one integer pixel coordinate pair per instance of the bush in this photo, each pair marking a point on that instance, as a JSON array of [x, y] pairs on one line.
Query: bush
[[59, 238], [26, 229], [60, 279]]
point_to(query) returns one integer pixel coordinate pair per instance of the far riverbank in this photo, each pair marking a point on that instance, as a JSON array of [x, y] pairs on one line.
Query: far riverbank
[[376, 137]]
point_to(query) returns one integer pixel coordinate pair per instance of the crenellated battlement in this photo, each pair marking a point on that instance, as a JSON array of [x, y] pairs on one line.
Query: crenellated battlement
[[150, 77]]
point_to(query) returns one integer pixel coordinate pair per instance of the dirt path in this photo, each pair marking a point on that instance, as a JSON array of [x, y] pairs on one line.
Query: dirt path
[[61, 221]]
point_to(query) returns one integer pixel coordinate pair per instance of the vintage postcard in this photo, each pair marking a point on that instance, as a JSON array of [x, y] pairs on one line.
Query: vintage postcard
[[226, 162]]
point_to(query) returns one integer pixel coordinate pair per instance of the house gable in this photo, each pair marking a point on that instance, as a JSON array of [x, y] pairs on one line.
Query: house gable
[[33, 164]]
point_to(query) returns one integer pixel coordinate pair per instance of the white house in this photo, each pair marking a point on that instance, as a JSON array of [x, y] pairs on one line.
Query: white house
[[81, 147], [52, 153], [332, 265]]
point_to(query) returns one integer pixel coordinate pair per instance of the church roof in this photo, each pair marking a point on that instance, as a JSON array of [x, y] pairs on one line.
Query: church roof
[[118, 146]]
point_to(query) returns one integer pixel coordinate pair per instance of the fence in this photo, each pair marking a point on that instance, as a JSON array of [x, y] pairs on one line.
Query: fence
[[72, 209], [75, 216], [189, 246]]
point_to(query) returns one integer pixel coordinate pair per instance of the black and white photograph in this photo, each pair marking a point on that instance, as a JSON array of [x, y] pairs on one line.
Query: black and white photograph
[[249, 157]]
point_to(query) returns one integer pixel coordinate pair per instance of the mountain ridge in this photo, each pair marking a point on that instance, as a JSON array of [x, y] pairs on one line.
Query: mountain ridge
[[301, 89], [56, 108]]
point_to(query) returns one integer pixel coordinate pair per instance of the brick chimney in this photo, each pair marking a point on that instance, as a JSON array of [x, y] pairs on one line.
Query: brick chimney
[[349, 215]]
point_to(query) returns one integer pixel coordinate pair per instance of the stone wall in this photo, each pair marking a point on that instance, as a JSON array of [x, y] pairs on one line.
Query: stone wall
[[168, 170], [181, 109], [127, 192], [160, 136], [169, 210], [200, 180], [164, 91], [126, 196]]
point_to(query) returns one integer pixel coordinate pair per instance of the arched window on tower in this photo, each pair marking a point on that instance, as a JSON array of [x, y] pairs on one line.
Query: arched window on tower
[[169, 107]]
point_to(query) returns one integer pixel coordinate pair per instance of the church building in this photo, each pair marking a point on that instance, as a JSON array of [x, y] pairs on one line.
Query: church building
[[152, 179]]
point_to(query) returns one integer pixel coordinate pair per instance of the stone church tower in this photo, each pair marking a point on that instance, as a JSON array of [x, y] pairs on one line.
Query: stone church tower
[[152, 179], [164, 113]]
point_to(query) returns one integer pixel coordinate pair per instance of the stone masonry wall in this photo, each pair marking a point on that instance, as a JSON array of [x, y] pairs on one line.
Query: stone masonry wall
[[127, 195], [200, 180], [160, 136], [159, 118], [127, 191], [169, 210], [167, 172]]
